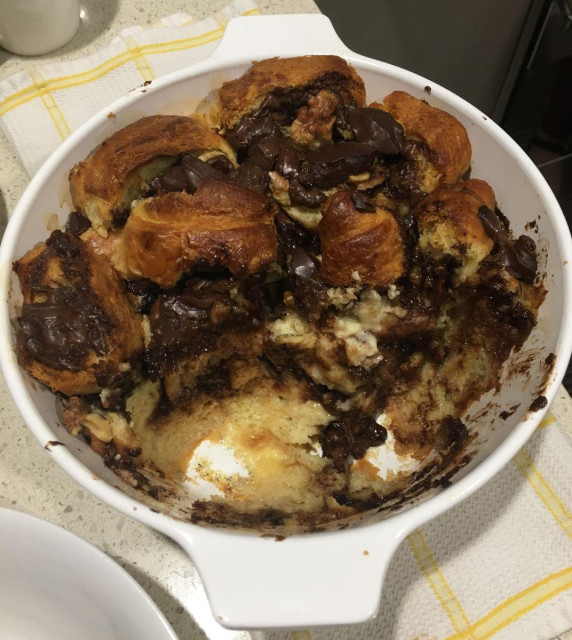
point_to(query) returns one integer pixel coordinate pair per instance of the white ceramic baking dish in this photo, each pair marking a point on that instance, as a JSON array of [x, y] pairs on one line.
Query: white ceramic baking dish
[[332, 577]]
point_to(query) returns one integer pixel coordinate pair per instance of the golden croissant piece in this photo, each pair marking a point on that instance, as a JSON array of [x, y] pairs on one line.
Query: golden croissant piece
[[77, 333], [449, 224], [246, 94], [447, 154], [222, 224], [363, 246], [104, 185]]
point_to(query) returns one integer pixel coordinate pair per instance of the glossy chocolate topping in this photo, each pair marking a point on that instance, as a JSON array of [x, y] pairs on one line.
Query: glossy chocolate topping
[[177, 318], [187, 175], [331, 164], [63, 329], [250, 129], [518, 256], [306, 197], [378, 129]]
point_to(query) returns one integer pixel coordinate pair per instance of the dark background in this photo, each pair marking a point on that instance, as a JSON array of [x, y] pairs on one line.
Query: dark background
[[512, 59]]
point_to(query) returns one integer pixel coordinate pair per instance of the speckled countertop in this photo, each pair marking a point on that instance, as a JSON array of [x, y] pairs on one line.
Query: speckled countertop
[[29, 480]]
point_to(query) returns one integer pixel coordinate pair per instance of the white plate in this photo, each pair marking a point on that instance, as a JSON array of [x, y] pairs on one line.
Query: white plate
[[56, 586]]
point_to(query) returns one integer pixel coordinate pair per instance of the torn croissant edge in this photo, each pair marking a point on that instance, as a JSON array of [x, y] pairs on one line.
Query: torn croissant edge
[[313, 287]]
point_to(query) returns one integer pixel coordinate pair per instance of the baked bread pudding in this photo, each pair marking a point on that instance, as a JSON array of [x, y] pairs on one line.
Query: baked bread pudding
[[286, 316]]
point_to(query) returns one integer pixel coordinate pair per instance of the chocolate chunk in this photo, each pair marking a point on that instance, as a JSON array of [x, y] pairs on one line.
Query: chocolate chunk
[[196, 171], [221, 163], [147, 292], [250, 176], [352, 435], [264, 153], [77, 223], [251, 129], [378, 129], [525, 250], [299, 195], [518, 256], [288, 162], [361, 203], [64, 328], [187, 175], [303, 266], [332, 164], [173, 179], [307, 283]]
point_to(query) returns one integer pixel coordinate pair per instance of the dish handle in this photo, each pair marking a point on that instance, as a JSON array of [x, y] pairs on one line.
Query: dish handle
[[271, 35], [301, 581]]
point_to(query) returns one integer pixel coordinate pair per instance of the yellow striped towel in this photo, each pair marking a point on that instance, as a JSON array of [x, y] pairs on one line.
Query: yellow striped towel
[[497, 566], [42, 104]]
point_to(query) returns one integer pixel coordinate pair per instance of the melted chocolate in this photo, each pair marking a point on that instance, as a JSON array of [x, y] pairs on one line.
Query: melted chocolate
[[61, 331], [187, 175], [177, 318], [250, 129], [64, 245], [77, 223], [188, 320], [378, 129], [292, 235], [518, 256], [332, 164], [307, 283], [350, 437], [361, 203], [305, 197], [221, 163], [250, 176], [147, 292], [264, 153]]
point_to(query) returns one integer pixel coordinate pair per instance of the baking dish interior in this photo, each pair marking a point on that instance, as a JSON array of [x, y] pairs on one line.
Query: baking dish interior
[[521, 194]]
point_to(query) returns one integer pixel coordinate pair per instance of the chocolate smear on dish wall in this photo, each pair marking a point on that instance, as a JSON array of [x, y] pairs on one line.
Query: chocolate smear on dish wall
[[538, 403], [50, 444]]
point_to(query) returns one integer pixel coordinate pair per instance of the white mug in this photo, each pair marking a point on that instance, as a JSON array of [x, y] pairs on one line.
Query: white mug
[[35, 27]]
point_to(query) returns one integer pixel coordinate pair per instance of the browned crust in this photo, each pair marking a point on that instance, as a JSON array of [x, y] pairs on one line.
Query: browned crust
[[239, 97], [110, 246], [42, 268], [458, 207], [443, 134], [223, 224], [482, 189], [367, 243], [103, 174]]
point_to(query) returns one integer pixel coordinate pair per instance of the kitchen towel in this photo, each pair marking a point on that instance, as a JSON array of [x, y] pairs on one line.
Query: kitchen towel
[[42, 104], [498, 565]]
